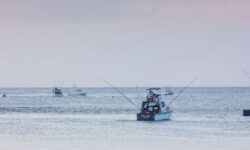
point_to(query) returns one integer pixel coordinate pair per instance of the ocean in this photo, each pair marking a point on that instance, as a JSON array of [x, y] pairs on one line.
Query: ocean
[[202, 118]]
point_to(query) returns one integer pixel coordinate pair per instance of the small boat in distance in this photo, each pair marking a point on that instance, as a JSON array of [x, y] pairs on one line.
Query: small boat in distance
[[77, 92], [153, 108], [57, 92], [167, 91], [246, 112], [4, 95]]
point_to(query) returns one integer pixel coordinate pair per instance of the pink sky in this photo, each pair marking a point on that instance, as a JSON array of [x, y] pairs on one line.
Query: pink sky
[[217, 10], [44, 41]]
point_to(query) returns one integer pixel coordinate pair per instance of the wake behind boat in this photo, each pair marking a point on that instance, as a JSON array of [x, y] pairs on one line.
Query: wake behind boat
[[153, 108]]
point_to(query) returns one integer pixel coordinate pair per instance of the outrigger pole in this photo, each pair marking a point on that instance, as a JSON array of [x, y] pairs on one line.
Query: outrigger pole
[[182, 90], [120, 93]]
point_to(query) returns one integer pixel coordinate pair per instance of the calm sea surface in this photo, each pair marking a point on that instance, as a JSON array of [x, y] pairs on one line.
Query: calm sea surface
[[203, 118]]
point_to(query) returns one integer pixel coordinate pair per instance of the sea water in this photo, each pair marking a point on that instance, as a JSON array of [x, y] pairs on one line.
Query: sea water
[[202, 118]]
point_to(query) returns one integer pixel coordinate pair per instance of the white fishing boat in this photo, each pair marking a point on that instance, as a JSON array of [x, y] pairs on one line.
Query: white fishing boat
[[77, 92], [153, 108], [57, 92]]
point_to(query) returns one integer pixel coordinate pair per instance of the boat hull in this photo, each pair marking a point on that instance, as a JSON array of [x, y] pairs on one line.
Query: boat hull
[[58, 95], [154, 117], [77, 94], [170, 93], [246, 112]]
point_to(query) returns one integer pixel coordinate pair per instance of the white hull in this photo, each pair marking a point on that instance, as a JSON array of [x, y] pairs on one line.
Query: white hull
[[58, 95], [77, 94], [154, 117], [163, 116]]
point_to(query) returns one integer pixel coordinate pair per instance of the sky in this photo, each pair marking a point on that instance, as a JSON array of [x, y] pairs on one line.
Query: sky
[[45, 43]]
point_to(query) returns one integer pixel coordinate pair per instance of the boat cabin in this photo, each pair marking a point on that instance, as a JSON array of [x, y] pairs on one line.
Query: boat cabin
[[57, 91], [152, 103], [153, 108]]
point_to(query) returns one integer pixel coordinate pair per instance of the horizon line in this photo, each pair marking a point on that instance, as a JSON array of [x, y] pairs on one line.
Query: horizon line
[[129, 87]]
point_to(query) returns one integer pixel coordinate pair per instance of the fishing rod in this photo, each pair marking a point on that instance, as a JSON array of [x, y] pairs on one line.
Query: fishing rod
[[182, 90], [120, 93]]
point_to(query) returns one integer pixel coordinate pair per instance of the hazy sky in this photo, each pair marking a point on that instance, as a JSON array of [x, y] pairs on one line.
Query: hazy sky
[[127, 42]]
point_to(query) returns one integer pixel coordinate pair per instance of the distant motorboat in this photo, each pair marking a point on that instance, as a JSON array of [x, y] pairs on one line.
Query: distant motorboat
[[77, 92], [246, 112], [57, 92], [4, 95], [167, 91]]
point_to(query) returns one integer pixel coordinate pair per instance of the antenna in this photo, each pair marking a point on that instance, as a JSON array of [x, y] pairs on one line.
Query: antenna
[[120, 93], [182, 90]]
